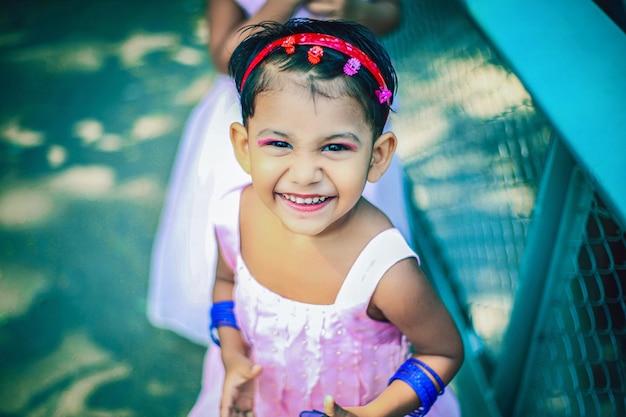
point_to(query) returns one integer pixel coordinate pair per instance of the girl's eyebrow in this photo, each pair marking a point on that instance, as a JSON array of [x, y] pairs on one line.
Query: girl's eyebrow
[[341, 135], [272, 134], [345, 135]]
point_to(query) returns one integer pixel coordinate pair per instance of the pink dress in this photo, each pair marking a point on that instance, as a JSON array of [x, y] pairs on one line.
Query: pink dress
[[184, 251], [308, 351]]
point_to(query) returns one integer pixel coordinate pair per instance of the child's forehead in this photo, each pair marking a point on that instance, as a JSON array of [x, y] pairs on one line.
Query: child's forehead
[[309, 87], [294, 102], [276, 79], [299, 89]]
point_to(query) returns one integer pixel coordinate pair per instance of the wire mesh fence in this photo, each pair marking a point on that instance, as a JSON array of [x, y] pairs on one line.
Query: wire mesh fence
[[578, 367], [475, 147]]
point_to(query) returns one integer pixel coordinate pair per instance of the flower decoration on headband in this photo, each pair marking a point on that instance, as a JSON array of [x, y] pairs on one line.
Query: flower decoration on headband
[[289, 44], [383, 94], [357, 59], [352, 67], [315, 54]]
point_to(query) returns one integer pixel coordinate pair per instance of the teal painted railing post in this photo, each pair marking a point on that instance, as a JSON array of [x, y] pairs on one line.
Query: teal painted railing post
[[571, 57], [534, 270]]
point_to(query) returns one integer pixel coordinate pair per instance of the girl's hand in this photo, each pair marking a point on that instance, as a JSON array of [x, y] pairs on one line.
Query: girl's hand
[[332, 409], [238, 394]]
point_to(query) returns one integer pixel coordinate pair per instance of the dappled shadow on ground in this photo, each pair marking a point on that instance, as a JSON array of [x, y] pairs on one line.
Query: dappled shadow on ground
[[95, 95]]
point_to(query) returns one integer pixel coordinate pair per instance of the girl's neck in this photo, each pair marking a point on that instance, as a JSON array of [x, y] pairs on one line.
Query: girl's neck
[[304, 268]]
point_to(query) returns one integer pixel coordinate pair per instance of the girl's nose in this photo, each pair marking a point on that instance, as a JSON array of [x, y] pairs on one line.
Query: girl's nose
[[305, 170]]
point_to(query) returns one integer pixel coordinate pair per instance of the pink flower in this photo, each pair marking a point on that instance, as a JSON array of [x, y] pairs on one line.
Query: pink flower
[[352, 67], [383, 95]]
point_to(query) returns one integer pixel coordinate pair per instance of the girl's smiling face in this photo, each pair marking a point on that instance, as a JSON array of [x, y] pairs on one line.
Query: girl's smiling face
[[309, 154]]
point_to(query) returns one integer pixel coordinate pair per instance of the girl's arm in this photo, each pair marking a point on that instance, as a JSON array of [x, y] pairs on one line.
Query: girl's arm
[[226, 18], [405, 297], [380, 16], [238, 390]]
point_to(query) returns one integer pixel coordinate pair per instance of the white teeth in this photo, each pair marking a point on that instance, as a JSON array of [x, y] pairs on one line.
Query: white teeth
[[300, 200]]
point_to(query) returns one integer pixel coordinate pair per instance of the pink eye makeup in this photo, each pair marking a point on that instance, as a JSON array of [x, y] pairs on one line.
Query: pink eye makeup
[[340, 146], [274, 143], [263, 142]]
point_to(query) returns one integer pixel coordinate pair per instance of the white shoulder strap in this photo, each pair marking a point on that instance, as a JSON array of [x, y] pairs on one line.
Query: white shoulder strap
[[381, 253]]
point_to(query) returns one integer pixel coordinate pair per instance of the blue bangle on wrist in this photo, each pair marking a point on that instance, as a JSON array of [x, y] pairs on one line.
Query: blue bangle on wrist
[[222, 315], [414, 373]]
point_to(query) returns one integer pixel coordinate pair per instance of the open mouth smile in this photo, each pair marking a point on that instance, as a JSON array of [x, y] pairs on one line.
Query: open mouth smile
[[305, 201]]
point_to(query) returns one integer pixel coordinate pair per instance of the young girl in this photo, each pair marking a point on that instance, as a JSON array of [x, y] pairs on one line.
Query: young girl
[[317, 296], [184, 255]]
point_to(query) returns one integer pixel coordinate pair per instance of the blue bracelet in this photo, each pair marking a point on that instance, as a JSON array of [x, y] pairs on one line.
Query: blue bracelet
[[412, 372], [433, 373], [222, 315]]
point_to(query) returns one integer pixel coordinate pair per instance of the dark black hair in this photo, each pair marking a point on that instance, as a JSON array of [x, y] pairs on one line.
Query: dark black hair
[[361, 86]]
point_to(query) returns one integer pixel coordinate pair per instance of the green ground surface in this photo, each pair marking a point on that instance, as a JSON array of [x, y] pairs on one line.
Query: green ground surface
[[94, 99]]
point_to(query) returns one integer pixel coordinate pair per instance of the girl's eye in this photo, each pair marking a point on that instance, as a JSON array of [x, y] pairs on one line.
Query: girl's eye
[[276, 143], [336, 147], [281, 144]]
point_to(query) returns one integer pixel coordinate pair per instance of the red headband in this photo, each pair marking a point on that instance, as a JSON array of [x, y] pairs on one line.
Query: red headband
[[357, 57]]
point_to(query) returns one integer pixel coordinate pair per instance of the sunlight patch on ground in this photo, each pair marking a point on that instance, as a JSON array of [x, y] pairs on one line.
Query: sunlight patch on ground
[[519, 200], [25, 206], [88, 130], [19, 286], [194, 92], [500, 92], [84, 181], [13, 132], [56, 156], [490, 314], [188, 56], [433, 128], [75, 356], [31, 203], [153, 126], [448, 194], [133, 50], [157, 388], [202, 31], [489, 93], [73, 401], [67, 56], [513, 201], [90, 56], [110, 142], [141, 189], [91, 133]]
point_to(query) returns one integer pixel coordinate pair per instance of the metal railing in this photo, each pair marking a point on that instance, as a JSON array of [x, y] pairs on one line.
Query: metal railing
[[517, 212]]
